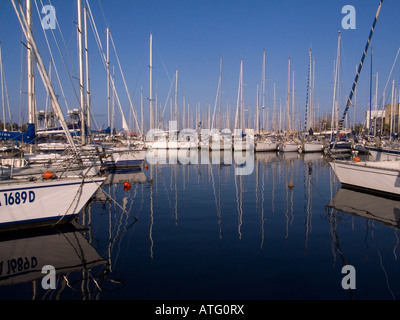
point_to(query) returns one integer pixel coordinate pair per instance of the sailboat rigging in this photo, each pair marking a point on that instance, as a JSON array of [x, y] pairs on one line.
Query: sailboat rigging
[[349, 100]]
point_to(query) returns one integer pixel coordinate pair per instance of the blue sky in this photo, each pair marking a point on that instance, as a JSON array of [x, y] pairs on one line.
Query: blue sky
[[191, 35]]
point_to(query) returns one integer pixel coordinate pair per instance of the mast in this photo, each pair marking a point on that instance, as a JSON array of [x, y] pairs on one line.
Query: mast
[[263, 93], [88, 104], [108, 80], [257, 112], [288, 101], [349, 102], [176, 98], [293, 122], [312, 96], [336, 72], [241, 96], [338, 81], [220, 95], [81, 76], [151, 82], [141, 112], [370, 97], [2, 90], [308, 90], [31, 77], [274, 112]]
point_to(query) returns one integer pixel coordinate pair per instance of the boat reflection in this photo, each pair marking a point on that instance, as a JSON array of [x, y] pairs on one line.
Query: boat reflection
[[384, 210], [24, 254]]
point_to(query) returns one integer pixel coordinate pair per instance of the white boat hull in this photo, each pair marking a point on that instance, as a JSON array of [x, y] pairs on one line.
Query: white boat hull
[[289, 147], [312, 147], [266, 146], [41, 202], [375, 176], [243, 145], [125, 158], [173, 145]]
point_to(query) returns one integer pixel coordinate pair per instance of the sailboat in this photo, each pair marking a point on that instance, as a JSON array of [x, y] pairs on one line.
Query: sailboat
[[242, 139], [288, 144], [310, 144], [338, 145], [261, 142], [50, 198], [372, 176]]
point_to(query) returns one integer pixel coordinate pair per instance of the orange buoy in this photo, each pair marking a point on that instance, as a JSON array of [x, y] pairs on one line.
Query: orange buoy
[[146, 166], [357, 159], [127, 186], [48, 175]]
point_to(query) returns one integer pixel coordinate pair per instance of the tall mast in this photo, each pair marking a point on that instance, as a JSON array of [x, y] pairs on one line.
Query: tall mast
[[370, 97], [176, 98], [263, 90], [349, 102], [88, 104], [257, 111], [2, 90], [141, 112], [31, 78], [274, 111], [151, 82], [308, 91], [313, 95], [241, 95], [220, 95], [288, 100], [108, 79], [81, 76], [338, 82], [293, 126]]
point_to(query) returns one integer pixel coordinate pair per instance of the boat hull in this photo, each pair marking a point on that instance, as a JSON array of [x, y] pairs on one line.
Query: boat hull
[[289, 147], [312, 147], [265, 146], [128, 158], [373, 177], [39, 203]]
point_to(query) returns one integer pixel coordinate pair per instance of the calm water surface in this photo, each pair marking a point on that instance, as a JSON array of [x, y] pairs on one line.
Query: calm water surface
[[204, 232]]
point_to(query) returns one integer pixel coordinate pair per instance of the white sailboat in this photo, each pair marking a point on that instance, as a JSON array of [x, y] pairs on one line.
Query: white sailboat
[[289, 144], [261, 142], [310, 143], [243, 139], [27, 200], [374, 176]]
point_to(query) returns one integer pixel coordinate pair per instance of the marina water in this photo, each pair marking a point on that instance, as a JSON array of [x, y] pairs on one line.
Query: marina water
[[197, 231]]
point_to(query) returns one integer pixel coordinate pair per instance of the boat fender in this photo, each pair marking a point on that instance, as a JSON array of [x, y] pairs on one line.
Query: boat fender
[[48, 175], [357, 159]]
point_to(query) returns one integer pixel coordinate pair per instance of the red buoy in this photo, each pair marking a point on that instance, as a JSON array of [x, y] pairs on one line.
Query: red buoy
[[127, 186]]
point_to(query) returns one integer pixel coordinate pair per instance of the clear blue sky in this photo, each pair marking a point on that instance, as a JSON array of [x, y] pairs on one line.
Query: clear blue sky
[[191, 35]]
